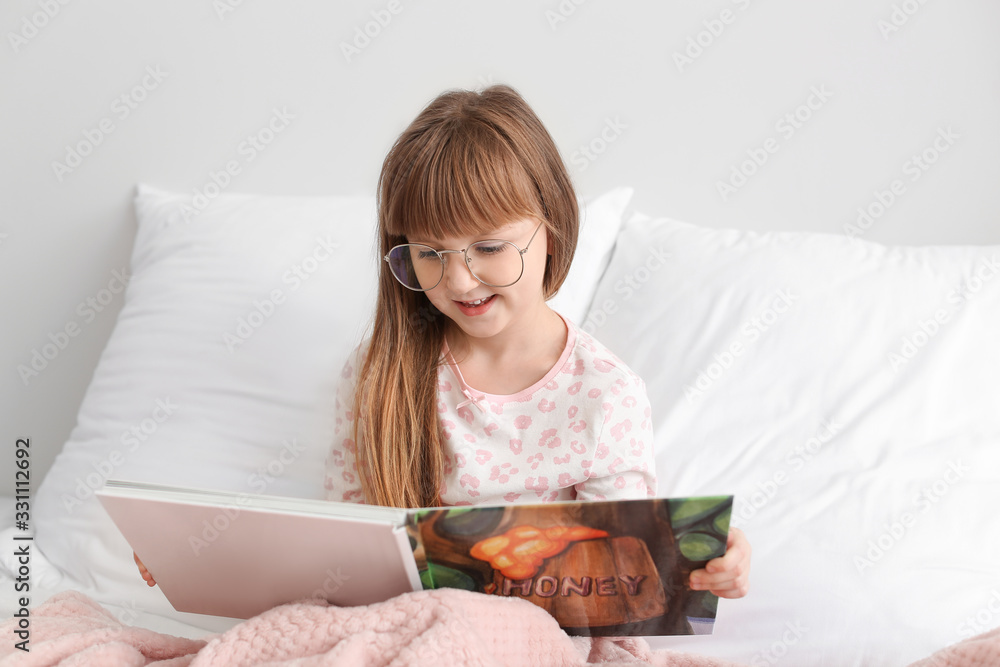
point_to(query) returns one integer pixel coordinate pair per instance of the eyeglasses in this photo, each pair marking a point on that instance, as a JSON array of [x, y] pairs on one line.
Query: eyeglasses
[[494, 263]]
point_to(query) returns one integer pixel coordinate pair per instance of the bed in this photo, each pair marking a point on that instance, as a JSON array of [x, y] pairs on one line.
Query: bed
[[845, 391]]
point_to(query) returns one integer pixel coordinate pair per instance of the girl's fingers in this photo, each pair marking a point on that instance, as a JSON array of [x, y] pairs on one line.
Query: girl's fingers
[[727, 576], [143, 571], [736, 591], [724, 584]]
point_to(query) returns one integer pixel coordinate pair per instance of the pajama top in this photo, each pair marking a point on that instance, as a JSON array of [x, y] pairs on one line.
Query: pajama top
[[582, 432]]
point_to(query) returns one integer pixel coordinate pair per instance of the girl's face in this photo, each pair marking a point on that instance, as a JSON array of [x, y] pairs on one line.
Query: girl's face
[[482, 311]]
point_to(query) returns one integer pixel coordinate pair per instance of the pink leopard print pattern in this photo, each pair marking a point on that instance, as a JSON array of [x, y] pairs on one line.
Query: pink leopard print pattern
[[583, 431]]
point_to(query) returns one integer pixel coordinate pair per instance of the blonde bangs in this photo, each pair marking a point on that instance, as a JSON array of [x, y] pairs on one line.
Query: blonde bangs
[[465, 183]]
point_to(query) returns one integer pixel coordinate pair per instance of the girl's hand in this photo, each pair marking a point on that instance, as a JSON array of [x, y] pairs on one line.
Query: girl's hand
[[727, 576], [143, 571]]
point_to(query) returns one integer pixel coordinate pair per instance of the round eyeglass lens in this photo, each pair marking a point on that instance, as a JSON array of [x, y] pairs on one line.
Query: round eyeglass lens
[[495, 263], [416, 266]]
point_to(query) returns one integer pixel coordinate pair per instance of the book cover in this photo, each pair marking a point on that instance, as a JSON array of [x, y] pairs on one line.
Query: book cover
[[237, 554], [601, 568]]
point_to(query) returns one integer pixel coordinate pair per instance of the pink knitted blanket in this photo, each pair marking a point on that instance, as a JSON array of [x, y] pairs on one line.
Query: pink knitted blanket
[[443, 628]]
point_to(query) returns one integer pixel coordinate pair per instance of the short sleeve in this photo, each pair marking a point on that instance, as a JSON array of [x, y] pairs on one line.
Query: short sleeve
[[342, 482], [623, 465]]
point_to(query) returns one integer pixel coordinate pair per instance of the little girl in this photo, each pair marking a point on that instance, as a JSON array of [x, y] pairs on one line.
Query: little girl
[[470, 389], [474, 389]]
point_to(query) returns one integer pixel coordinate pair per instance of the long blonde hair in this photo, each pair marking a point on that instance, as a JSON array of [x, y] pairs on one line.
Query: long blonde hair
[[469, 163]]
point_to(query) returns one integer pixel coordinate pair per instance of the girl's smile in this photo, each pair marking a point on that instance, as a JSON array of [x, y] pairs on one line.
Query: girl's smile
[[477, 307]]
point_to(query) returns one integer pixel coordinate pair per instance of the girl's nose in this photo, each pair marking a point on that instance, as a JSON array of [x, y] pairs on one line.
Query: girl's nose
[[457, 275]]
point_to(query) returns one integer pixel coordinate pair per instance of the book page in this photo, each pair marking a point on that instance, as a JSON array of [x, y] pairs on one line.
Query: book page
[[610, 568]]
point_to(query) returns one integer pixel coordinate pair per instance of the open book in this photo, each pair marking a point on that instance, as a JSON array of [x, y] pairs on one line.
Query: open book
[[611, 568]]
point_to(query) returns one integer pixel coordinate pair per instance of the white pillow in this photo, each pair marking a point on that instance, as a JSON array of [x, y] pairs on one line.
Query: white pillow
[[847, 393], [223, 364], [600, 220], [221, 368]]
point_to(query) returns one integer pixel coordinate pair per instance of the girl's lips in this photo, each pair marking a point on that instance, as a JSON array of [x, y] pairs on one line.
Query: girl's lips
[[472, 308]]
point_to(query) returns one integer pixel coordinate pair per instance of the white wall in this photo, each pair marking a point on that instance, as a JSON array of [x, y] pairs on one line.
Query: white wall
[[677, 131]]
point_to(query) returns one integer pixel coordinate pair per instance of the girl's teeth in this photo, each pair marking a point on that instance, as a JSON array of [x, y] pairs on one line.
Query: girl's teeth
[[474, 303]]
